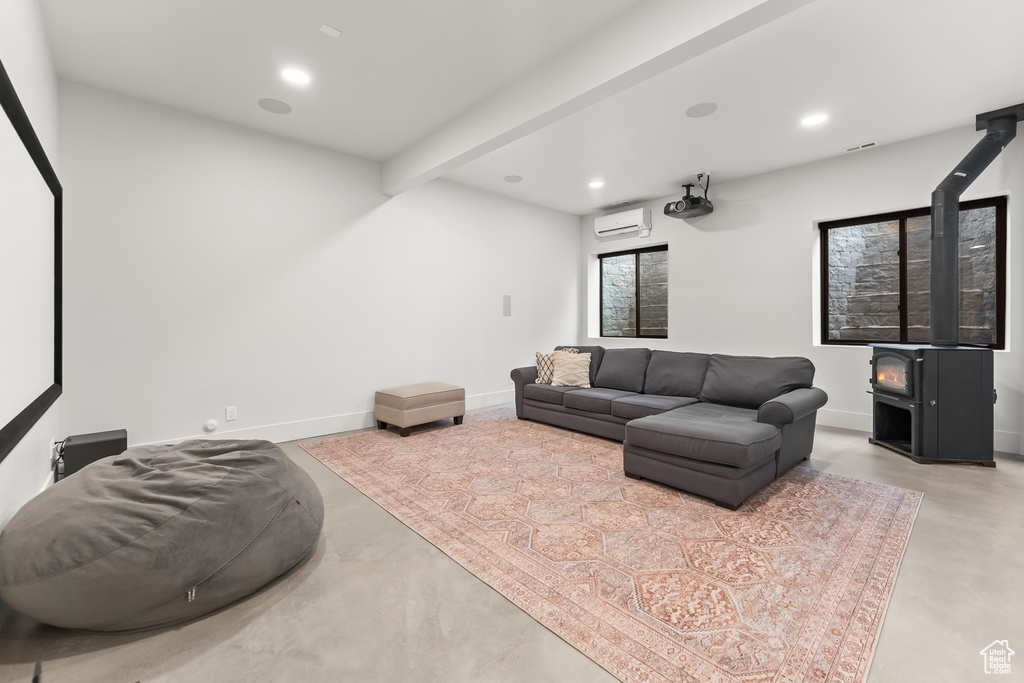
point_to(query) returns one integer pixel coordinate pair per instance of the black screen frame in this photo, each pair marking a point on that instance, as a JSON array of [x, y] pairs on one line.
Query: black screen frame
[[15, 430]]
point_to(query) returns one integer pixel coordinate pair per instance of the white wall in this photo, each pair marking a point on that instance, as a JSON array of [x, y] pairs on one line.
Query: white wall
[[25, 53], [209, 266], [744, 280]]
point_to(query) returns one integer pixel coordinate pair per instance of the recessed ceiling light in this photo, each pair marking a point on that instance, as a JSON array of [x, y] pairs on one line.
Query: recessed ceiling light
[[330, 30], [595, 184], [274, 106], [513, 179], [814, 120], [295, 76], [701, 110]]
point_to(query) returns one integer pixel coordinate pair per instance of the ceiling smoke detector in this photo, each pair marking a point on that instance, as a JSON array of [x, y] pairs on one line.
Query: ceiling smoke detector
[[619, 205], [857, 148]]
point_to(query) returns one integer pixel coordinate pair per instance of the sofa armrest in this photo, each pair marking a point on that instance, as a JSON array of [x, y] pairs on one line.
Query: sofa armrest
[[792, 406], [521, 377], [524, 375]]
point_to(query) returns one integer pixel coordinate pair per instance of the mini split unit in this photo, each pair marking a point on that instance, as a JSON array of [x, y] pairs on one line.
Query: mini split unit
[[624, 222], [691, 205]]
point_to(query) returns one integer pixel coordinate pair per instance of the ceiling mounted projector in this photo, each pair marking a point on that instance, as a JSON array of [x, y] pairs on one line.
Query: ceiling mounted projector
[[691, 205]]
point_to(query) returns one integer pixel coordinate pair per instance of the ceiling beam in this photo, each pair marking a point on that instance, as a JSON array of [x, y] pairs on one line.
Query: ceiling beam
[[658, 36]]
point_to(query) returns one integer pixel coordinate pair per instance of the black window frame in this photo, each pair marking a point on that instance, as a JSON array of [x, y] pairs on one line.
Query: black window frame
[[999, 203], [600, 270]]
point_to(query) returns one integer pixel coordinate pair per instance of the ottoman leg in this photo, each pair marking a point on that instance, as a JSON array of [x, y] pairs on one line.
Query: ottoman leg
[[381, 424], [458, 419], [404, 431]]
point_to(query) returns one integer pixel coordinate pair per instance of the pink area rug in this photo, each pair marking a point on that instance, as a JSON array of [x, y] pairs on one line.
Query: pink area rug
[[650, 583]]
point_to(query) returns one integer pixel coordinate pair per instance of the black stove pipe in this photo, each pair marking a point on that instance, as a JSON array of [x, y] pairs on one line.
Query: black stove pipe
[[1001, 128]]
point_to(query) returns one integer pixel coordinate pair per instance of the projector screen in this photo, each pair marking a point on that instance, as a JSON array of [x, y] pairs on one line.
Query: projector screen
[[30, 274]]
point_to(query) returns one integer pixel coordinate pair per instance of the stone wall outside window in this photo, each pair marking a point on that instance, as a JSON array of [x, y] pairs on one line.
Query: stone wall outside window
[[619, 281], [864, 282], [863, 279]]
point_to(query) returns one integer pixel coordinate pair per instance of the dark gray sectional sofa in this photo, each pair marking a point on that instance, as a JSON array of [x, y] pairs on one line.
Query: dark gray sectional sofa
[[714, 425]]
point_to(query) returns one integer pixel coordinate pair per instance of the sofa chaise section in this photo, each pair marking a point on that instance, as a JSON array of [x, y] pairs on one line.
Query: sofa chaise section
[[755, 420], [718, 426]]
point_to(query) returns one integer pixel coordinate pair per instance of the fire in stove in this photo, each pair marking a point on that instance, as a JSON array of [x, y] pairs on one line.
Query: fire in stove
[[892, 375]]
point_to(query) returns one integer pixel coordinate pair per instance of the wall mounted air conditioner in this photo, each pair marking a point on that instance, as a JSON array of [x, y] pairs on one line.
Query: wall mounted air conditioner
[[624, 222]]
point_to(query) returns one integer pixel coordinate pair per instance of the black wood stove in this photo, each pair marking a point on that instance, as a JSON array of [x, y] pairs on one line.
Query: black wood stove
[[933, 403]]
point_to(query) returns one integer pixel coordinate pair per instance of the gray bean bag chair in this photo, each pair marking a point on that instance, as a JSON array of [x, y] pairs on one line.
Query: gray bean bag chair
[[159, 535]]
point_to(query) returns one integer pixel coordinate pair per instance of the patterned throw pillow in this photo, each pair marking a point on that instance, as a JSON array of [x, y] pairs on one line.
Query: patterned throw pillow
[[571, 370], [546, 366]]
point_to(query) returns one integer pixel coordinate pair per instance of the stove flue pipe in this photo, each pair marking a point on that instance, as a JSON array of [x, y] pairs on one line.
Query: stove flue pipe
[[1001, 128]]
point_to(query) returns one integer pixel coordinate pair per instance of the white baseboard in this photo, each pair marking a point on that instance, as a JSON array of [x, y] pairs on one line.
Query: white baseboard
[[493, 399], [286, 431], [844, 420], [306, 429], [1008, 442]]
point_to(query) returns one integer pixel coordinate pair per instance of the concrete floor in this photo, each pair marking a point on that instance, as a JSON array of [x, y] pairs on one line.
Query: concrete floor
[[376, 602]]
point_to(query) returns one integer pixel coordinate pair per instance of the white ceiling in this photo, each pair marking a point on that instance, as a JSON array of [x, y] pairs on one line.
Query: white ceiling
[[400, 69], [884, 71], [560, 92]]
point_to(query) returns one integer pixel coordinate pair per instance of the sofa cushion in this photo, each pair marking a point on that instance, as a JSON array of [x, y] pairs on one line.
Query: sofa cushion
[[623, 369], [749, 381], [571, 370], [735, 442], [596, 356], [674, 373], [717, 411], [547, 393], [597, 400], [642, 405]]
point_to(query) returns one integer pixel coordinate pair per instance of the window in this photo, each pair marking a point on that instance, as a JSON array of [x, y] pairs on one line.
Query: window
[[634, 293], [876, 276]]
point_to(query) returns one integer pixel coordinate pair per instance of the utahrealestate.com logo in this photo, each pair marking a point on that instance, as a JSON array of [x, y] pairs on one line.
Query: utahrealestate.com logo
[[997, 657]]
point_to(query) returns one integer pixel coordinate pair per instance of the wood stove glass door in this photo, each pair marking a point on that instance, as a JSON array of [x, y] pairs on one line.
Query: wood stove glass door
[[893, 374]]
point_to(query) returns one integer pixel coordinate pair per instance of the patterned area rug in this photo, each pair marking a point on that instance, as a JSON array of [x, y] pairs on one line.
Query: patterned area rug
[[652, 584]]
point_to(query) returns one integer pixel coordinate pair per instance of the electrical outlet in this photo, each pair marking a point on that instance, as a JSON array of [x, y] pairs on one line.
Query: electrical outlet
[[231, 413]]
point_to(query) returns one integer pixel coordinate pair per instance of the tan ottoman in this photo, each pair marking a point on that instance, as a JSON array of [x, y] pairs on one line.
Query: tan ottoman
[[417, 404]]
